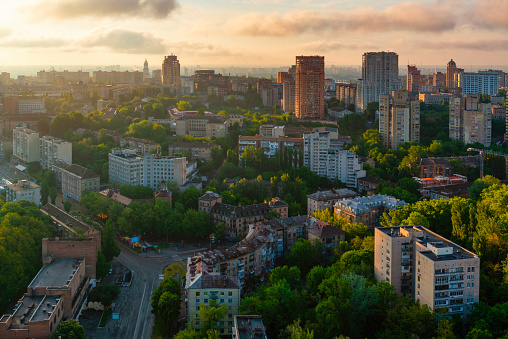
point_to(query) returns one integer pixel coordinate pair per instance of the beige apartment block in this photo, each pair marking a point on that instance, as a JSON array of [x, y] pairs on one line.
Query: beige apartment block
[[399, 119], [53, 150], [429, 267], [24, 190], [25, 144]]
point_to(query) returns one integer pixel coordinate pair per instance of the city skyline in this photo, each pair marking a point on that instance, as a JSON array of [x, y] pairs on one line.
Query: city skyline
[[229, 32]]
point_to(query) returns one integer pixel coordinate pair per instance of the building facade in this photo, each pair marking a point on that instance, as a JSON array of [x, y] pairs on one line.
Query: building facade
[[25, 145], [479, 83], [202, 126], [346, 93], [74, 179], [380, 75], [444, 166], [24, 190], [54, 150], [324, 200], [452, 74], [399, 119], [415, 80], [142, 146], [310, 91], [470, 120], [116, 77], [202, 151], [171, 71], [428, 267]]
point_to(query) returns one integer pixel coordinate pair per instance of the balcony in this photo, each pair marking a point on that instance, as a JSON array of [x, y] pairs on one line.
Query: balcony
[[406, 269]]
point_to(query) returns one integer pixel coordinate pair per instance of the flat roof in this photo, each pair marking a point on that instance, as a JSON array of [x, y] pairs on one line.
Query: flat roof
[[249, 326], [57, 273]]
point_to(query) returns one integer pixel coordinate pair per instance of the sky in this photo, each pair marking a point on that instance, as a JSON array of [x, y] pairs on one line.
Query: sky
[[258, 33]]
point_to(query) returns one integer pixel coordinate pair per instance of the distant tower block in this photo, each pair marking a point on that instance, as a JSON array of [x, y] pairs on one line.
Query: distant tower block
[[146, 71]]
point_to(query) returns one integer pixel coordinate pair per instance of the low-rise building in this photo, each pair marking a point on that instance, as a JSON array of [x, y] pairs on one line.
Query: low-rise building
[[74, 179], [9, 122], [366, 210], [369, 183], [428, 267], [272, 131], [287, 231], [114, 194], [448, 192], [199, 150], [235, 118], [24, 190], [498, 112], [202, 126], [142, 146], [426, 184], [54, 150], [433, 167], [327, 234], [248, 327], [435, 98], [270, 145], [324, 200]]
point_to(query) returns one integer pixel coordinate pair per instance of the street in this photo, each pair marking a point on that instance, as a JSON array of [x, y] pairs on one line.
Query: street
[[133, 303], [6, 172]]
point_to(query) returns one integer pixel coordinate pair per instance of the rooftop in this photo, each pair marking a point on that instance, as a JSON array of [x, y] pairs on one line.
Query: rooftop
[[467, 160], [33, 309], [23, 185], [362, 205], [333, 194], [249, 327], [67, 219], [80, 171], [210, 196], [371, 179], [323, 229], [57, 273]]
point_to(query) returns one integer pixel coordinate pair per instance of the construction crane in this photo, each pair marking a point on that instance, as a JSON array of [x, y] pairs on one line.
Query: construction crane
[[481, 151]]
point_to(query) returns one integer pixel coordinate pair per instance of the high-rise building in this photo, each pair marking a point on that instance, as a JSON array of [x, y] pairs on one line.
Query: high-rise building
[[323, 154], [415, 80], [380, 75], [310, 87], [439, 80], [479, 83], [171, 71], [470, 120], [25, 145], [428, 267], [346, 93], [452, 74], [52, 150], [5, 79], [288, 89], [146, 71], [399, 119], [115, 77]]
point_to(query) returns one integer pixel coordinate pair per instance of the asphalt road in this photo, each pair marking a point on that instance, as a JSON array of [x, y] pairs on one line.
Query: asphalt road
[[9, 173], [133, 303]]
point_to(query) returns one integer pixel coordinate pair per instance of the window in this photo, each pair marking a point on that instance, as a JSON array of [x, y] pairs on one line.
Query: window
[[230, 294], [197, 294], [230, 301], [198, 300]]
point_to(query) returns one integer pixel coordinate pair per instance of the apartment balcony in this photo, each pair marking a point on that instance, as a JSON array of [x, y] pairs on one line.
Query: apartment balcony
[[241, 263], [405, 269], [406, 255]]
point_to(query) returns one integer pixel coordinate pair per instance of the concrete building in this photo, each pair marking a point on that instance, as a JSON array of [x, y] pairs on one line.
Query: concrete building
[[324, 200], [479, 83], [286, 232], [24, 190], [31, 106], [470, 120], [399, 119], [125, 167], [54, 150], [310, 91], [58, 78], [428, 267], [443, 166], [327, 234], [272, 131], [346, 93], [238, 218], [8, 122], [233, 119], [25, 145], [452, 74], [366, 210], [324, 154], [369, 183], [270, 145], [380, 75], [435, 98], [142, 146], [5, 79], [171, 71], [415, 80], [206, 78], [439, 80], [202, 126], [146, 70], [116, 77], [248, 327], [199, 150], [74, 179]]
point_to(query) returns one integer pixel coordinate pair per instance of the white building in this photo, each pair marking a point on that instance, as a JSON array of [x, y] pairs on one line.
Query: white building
[[24, 190], [52, 150], [126, 167], [323, 154], [31, 106], [479, 83], [25, 144]]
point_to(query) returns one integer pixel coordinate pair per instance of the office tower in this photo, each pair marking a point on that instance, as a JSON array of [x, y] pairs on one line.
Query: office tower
[[346, 93], [310, 87], [146, 71], [428, 267], [470, 120], [415, 80], [171, 71], [399, 119], [479, 83], [380, 75], [439, 80]]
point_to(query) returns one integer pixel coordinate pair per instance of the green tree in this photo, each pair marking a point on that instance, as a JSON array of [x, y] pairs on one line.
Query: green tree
[[110, 247], [189, 198], [53, 193], [67, 206], [102, 266], [188, 333], [445, 330], [69, 329], [291, 275], [305, 254], [210, 315]]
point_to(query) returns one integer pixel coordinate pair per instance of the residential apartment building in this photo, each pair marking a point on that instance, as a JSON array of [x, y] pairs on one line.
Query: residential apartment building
[[346, 93], [286, 232], [171, 71], [498, 112], [399, 119], [325, 200], [202, 126], [380, 75], [31, 106], [428, 267], [58, 78], [116, 77], [328, 235], [470, 120], [25, 145], [5, 79], [479, 83], [74, 179], [272, 131], [452, 74], [238, 218], [249, 326], [199, 150], [9, 122], [366, 210], [435, 98], [415, 80], [23, 190], [270, 145], [369, 183], [142, 146], [444, 166], [206, 78], [310, 91], [53, 150], [439, 80], [235, 118], [126, 167], [323, 154]]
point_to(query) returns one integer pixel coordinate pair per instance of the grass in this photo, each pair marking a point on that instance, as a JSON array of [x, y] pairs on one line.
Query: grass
[[164, 245], [105, 317], [174, 268]]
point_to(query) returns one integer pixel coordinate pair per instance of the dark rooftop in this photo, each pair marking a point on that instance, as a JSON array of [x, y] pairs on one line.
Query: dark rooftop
[[322, 229], [80, 171], [58, 273], [467, 160], [67, 219], [249, 327]]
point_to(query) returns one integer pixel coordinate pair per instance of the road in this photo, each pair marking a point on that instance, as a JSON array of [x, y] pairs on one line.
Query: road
[[133, 303], [6, 172]]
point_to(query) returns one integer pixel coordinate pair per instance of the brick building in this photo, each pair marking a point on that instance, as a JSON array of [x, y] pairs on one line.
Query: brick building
[[433, 167], [324, 200], [310, 87]]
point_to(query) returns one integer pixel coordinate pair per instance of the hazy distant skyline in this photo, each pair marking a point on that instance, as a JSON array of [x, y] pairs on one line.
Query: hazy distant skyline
[[251, 32]]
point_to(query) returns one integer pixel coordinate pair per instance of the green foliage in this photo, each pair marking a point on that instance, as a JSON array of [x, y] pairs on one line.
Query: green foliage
[[69, 329], [480, 184], [110, 247], [290, 275], [210, 315], [136, 192], [189, 333], [67, 206], [306, 254], [102, 266], [189, 198], [352, 124], [105, 294]]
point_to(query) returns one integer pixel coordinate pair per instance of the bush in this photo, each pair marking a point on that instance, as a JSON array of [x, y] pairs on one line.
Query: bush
[[105, 294]]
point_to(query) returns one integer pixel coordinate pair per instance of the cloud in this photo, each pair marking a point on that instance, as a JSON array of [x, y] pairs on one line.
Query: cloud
[[68, 9], [327, 46], [5, 32], [466, 44], [127, 42], [407, 16], [489, 13], [34, 43], [202, 49]]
